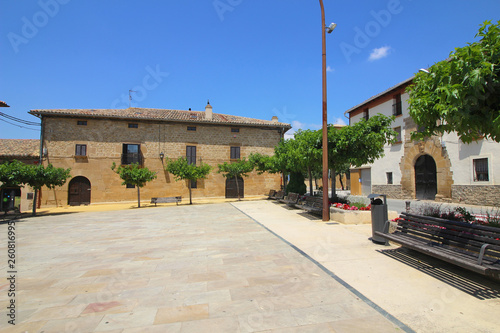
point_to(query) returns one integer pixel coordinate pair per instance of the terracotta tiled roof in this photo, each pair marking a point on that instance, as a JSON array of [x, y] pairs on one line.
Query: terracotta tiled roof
[[3, 104], [19, 148], [160, 115]]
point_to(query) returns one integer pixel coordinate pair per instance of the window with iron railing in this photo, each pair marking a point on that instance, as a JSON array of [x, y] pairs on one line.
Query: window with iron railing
[[131, 154], [366, 114], [397, 107]]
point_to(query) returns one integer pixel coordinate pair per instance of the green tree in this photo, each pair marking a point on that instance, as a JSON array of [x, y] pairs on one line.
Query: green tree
[[462, 93], [236, 170], [38, 176], [136, 175], [308, 156], [12, 173], [297, 184], [182, 170], [358, 144]]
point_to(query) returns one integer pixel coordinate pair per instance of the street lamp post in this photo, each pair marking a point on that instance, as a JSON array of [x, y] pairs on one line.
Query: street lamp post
[[324, 29]]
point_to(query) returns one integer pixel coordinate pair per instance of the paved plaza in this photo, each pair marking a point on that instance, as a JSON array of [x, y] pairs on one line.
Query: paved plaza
[[230, 267]]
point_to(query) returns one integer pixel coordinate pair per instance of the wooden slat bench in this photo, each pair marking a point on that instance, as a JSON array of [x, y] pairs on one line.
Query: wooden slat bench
[[271, 194], [312, 205], [291, 199], [166, 200], [470, 246], [278, 195]]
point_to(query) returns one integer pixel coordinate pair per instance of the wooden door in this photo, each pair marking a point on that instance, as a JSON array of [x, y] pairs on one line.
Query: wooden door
[[231, 189], [425, 178], [79, 191]]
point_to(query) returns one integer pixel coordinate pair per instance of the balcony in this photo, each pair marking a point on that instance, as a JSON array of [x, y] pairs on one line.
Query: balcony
[[131, 158]]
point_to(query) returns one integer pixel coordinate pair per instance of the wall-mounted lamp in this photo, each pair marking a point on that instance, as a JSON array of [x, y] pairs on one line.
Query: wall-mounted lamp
[[423, 70], [162, 156]]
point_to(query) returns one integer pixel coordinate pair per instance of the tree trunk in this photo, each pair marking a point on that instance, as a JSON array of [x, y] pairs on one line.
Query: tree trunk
[[309, 172], [341, 182], [35, 203], [237, 187], [138, 196], [334, 185], [284, 181], [189, 188]]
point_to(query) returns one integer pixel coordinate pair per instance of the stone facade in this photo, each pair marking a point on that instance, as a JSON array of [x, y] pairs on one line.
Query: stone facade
[[105, 137], [392, 191], [481, 195]]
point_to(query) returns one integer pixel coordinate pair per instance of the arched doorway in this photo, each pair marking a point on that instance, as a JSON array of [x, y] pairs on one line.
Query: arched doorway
[[425, 178], [232, 190], [79, 191]]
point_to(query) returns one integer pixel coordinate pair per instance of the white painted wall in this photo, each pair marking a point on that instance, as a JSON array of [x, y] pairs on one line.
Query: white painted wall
[[461, 154], [392, 153]]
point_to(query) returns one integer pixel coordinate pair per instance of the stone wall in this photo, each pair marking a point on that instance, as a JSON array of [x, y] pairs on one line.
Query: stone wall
[[392, 191], [481, 195], [105, 139]]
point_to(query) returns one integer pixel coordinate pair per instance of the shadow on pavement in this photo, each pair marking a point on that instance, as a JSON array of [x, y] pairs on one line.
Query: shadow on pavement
[[468, 282]]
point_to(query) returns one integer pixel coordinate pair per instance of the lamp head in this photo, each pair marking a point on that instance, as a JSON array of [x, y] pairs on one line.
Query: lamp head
[[423, 70], [331, 27]]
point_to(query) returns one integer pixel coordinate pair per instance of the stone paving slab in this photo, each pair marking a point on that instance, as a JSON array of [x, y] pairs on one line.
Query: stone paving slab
[[426, 294], [194, 268]]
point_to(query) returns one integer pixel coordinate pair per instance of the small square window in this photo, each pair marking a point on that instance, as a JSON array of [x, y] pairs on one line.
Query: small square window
[[194, 184], [130, 186], [235, 130], [191, 128], [81, 122], [81, 150], [389, 178], [133, 125], [481, 173], [235, 153]]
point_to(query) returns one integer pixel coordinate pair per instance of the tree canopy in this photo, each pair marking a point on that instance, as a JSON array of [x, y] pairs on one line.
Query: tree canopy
[[134, 174], [15, 173], [182, 170], [462, 93]]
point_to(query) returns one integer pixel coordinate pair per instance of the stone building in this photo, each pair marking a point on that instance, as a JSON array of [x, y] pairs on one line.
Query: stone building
[[441, 168], [89, 141]]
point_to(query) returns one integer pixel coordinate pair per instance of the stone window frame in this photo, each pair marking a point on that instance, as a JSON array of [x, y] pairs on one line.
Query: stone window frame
[[237, 152], [80, 150], [474, 179]]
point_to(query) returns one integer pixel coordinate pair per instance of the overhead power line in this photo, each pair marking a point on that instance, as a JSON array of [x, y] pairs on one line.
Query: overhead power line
[[19, 120], [8, 122]]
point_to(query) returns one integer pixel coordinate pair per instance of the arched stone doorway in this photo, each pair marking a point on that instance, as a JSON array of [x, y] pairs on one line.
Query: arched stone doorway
[[79, 191], [232, 189], [425, 178]]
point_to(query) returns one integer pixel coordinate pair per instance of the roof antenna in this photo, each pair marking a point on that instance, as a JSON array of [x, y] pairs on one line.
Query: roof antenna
[[130, 97]]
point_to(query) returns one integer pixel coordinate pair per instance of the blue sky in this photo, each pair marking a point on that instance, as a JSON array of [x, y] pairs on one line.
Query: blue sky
[[253, 58]]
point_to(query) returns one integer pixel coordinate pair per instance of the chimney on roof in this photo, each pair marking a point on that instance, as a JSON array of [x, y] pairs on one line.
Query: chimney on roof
[[208, 111], [274, 119]]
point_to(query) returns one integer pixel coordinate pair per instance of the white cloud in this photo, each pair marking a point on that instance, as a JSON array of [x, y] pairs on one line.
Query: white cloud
[[339, 121], [330, 69], [379, 53]]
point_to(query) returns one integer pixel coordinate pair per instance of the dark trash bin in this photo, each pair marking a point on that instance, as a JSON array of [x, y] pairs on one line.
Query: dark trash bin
[[379, 216]]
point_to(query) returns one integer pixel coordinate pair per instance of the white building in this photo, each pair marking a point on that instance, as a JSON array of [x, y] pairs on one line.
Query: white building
[[441, 168]]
